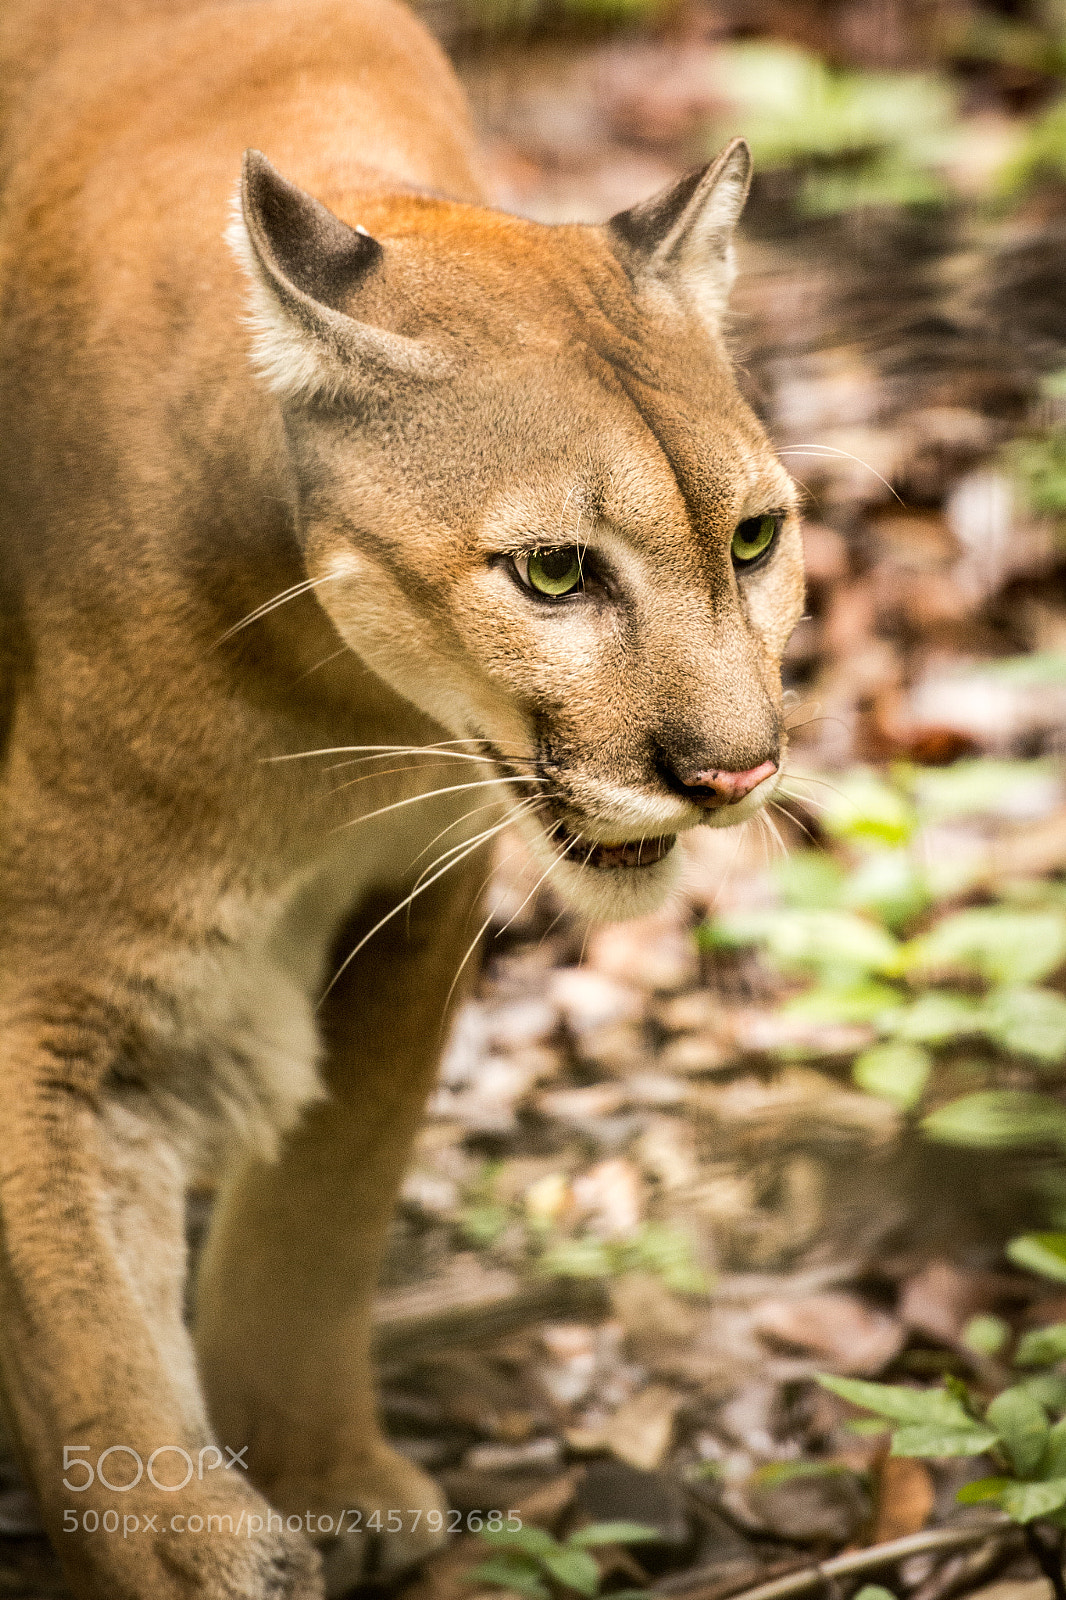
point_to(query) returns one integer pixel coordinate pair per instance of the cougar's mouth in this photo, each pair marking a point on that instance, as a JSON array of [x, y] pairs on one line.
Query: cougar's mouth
[[608, 857]]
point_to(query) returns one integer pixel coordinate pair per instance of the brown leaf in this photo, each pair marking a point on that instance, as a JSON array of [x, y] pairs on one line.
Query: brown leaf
[[640, 1431], [854, 1337], [940, 1300], [905, 1498]]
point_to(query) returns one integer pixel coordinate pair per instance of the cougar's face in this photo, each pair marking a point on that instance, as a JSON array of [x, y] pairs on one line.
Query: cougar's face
[[604, 619], [571, 545]]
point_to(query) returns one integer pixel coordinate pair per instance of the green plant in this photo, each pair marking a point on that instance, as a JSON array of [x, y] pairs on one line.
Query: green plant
[[1022, 1429], [532, 1562], [655, 1247], [872, 931], [542, 1241], [856, 138]]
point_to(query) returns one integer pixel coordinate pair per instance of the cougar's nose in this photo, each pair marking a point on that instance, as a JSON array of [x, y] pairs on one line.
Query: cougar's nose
[[713, 789]]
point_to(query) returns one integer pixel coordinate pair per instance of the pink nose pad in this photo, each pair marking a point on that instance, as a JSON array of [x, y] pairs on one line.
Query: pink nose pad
[[726, 788]]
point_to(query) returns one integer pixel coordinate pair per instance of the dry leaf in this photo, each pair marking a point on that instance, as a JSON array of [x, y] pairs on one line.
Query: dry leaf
[[905, 1498]]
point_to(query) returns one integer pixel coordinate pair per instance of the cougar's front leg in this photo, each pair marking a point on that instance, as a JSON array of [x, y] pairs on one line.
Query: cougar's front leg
[[283, 1316], [97, 1370]]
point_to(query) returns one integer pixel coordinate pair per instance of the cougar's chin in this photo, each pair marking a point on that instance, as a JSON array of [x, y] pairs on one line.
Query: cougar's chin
[[607, 881]]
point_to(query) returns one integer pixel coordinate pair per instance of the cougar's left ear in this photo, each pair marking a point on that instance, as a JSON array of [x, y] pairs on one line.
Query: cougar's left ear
[[683, 236], [308, 272]]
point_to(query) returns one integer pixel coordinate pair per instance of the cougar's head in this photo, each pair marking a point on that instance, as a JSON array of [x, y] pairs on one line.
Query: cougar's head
[[537, 503]]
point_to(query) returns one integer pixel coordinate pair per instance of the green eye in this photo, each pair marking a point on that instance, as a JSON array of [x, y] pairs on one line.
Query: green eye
[[753, 538], [554, 572]]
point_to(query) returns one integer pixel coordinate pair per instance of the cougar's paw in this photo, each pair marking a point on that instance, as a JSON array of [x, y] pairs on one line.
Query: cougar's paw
[[274, 1566], [212, 1545], [391, 1513]]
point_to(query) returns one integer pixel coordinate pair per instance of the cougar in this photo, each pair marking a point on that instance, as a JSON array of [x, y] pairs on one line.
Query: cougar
[[345, 522]]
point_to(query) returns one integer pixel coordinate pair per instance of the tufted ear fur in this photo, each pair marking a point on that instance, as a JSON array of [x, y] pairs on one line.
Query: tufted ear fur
[[683, 236], [305, 268]]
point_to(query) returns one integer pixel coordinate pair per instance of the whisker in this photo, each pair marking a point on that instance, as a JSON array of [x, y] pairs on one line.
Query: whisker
[[486, 880], [802, 799], [278, 600], [511, 816], [806, 777], [383, 772], [742, 833], [803, 705], [480, 932], [774, 831], [761, 832], [832, 450], [382, 751], [343, 651], [537, 885], [458, 824], [475, 941], [395, 912], [552, 925], [432, 794], [785, 812]]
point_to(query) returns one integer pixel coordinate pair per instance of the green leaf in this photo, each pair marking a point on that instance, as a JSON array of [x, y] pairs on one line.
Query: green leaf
[[512, 1573], [896, 1071], [883, 180], [794, 106], [838, 940], [669, 1251], [1044, 1253], [874, 1591], [936, 1439], [888, 883], [983, 787], [1022, 1426], [809, 878], [862, 806], [1031, 1022], [938, 1016], [1043, 669], [574, 1568], [865, 1001], [531, 1541], [1042, 1347], [985, 1335], [1053, 1464], [900, 1404], [483, 1224], [1048, 1389], [1026, 1501], [775, 1472], [614, 1533], [995, 1119], [982, 1489], [578, 1258], [1005, 946]]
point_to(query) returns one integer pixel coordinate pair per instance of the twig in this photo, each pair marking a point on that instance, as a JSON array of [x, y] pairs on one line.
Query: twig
[[463, 1308], [963, 1573], [860, 1561]]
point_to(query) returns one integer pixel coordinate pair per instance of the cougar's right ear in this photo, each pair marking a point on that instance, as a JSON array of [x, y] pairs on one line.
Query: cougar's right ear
[[305, 268]]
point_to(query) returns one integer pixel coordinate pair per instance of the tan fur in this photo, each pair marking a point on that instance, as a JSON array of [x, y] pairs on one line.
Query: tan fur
[[389, 417]]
